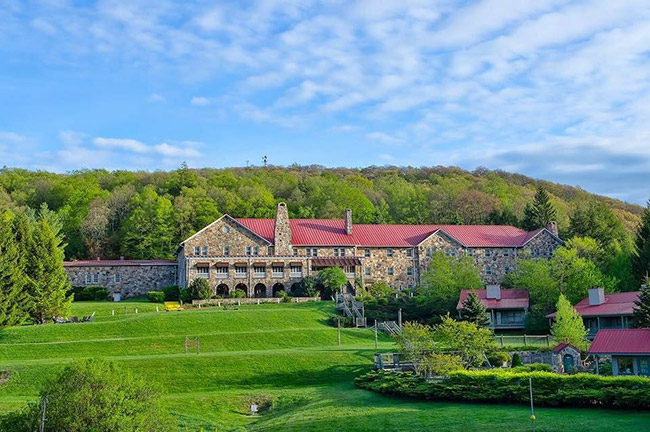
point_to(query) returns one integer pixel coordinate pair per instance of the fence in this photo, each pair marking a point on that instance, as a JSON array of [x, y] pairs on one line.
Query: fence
[[524, 340], [247, 300]]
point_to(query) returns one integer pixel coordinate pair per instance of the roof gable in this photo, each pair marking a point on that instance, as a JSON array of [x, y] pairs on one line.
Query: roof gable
[[231, 219], [510, 299]]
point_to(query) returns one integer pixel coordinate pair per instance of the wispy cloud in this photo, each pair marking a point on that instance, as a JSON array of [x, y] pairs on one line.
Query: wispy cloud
[[529, 86]]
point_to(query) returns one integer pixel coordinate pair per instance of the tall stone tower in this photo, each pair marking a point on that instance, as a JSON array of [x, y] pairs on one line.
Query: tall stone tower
[[282, 231], [347, 216]]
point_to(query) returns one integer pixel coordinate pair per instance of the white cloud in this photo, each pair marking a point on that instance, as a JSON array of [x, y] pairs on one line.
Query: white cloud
[[122, 144], [383, 138], [155, 97], [200, 101]]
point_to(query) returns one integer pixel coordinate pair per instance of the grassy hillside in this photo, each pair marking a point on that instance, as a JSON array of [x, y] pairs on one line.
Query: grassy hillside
[[282, 353], [145, 215]]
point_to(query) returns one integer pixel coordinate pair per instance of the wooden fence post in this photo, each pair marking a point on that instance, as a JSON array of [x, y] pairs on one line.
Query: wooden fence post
[[525, 340]]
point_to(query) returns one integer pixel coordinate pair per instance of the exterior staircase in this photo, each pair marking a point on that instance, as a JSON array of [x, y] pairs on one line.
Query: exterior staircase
[[347, 305]]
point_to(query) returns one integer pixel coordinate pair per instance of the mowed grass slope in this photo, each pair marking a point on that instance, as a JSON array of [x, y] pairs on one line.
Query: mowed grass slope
[[286, 353]]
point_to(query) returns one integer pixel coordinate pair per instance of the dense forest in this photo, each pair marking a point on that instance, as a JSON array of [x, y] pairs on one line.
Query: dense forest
[[146, 214]]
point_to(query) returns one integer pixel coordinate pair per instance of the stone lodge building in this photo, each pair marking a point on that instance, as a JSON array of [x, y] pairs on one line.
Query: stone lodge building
[[264, 256]]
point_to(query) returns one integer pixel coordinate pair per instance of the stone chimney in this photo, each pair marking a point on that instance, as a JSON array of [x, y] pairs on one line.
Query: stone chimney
[[347, 217], [282, 231], [596, 296], [493, 292], [552, 227]]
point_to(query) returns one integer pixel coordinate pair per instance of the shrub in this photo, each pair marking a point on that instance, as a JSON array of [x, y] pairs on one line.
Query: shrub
[[90, 293], [283, 295], [199, 289], [533, 367], [172, 293], [605, 369], [238, 293], [94, 395], [516, 360], [580, 390], [498, 358], [156, 296], [441, 364], [333, 320]]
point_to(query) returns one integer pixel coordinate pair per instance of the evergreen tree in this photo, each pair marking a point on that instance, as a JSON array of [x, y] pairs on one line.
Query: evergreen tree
[[568, 325], [540, 213], [13, 299], [474, 311], [47, 281], [642, 307], [641, 256]]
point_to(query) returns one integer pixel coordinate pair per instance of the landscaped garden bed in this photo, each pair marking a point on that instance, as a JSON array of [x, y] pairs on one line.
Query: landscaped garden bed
[[499, 386]]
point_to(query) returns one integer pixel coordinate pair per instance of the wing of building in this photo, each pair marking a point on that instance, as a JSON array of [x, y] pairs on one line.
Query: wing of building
[[263, 256]]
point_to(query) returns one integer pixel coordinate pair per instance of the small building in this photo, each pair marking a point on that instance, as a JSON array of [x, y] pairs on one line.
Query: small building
[[507, 308], [629, 349], [566, 358], [605, 311]]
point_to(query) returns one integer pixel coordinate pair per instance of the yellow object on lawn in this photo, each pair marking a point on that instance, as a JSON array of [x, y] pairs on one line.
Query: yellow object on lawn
[[172, 306]]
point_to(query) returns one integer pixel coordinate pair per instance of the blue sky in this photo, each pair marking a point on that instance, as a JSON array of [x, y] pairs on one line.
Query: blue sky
[[552, 89]]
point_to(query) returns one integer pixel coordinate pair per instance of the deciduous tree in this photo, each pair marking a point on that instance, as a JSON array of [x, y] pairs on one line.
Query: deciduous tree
[[568, 325]]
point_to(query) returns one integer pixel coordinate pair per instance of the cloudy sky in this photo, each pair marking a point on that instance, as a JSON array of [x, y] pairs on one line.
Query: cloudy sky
[[553, 89]]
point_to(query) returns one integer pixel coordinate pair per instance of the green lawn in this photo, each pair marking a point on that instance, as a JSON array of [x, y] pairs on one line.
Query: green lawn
[[284, 353]]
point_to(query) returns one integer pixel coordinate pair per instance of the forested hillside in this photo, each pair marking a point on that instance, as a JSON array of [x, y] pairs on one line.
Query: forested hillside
[[146, 214]]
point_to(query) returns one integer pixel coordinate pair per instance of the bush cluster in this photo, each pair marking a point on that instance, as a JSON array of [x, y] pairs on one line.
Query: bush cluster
[[90, 293], [549, 389], [172, 293], [156, 296]]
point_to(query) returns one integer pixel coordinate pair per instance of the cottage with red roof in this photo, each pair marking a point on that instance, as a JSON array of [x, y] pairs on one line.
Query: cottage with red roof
[[605, 311], [264, 256], [629, 349], [507, 308]]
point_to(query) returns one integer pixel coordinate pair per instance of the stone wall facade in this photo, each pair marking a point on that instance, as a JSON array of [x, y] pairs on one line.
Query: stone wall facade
[[126, 280]]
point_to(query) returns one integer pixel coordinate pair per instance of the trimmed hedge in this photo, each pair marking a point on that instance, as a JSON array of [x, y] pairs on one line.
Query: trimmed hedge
[[549, 389], [156, 296]]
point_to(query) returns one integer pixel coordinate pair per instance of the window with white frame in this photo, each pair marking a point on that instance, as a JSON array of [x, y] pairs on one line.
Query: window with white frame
[[222, 272], [295, 251], [348, 270], [488, 252], [391, 271], [203, 272], [488, 270], [450, 252], [366, 253], [259, 271], [204, 250], [278, 271], [470, 252], [311, 252], [296, 270], [339, 252], [409, 252], [409, 271], [248, 250], [197, 250], [506, 253], [117, 278], [241, 271], [549, 252], [389, 252], [226, 250], [368, 271]]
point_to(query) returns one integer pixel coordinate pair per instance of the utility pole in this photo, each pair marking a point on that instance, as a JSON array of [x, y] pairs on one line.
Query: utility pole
[[375, 335], [339, 320], [399, 317], [41, 427]]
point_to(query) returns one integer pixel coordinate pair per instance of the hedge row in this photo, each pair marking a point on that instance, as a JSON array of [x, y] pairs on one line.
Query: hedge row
[[549, 389]]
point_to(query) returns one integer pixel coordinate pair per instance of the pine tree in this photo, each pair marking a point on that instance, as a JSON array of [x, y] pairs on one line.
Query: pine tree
[[474, 311], [540, 213], [13, 299], [568, 325], [641, 256], [48, 283], [642, 307]]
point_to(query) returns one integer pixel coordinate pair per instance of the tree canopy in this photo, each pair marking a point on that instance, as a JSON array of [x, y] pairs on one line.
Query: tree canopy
[[568, 325]]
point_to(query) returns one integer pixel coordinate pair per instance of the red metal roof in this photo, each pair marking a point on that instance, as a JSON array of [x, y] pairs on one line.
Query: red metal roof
[[331, 232], [563, 345], [621, 341], [510, 299], [615, 304], [114, 263], [330, 262]]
